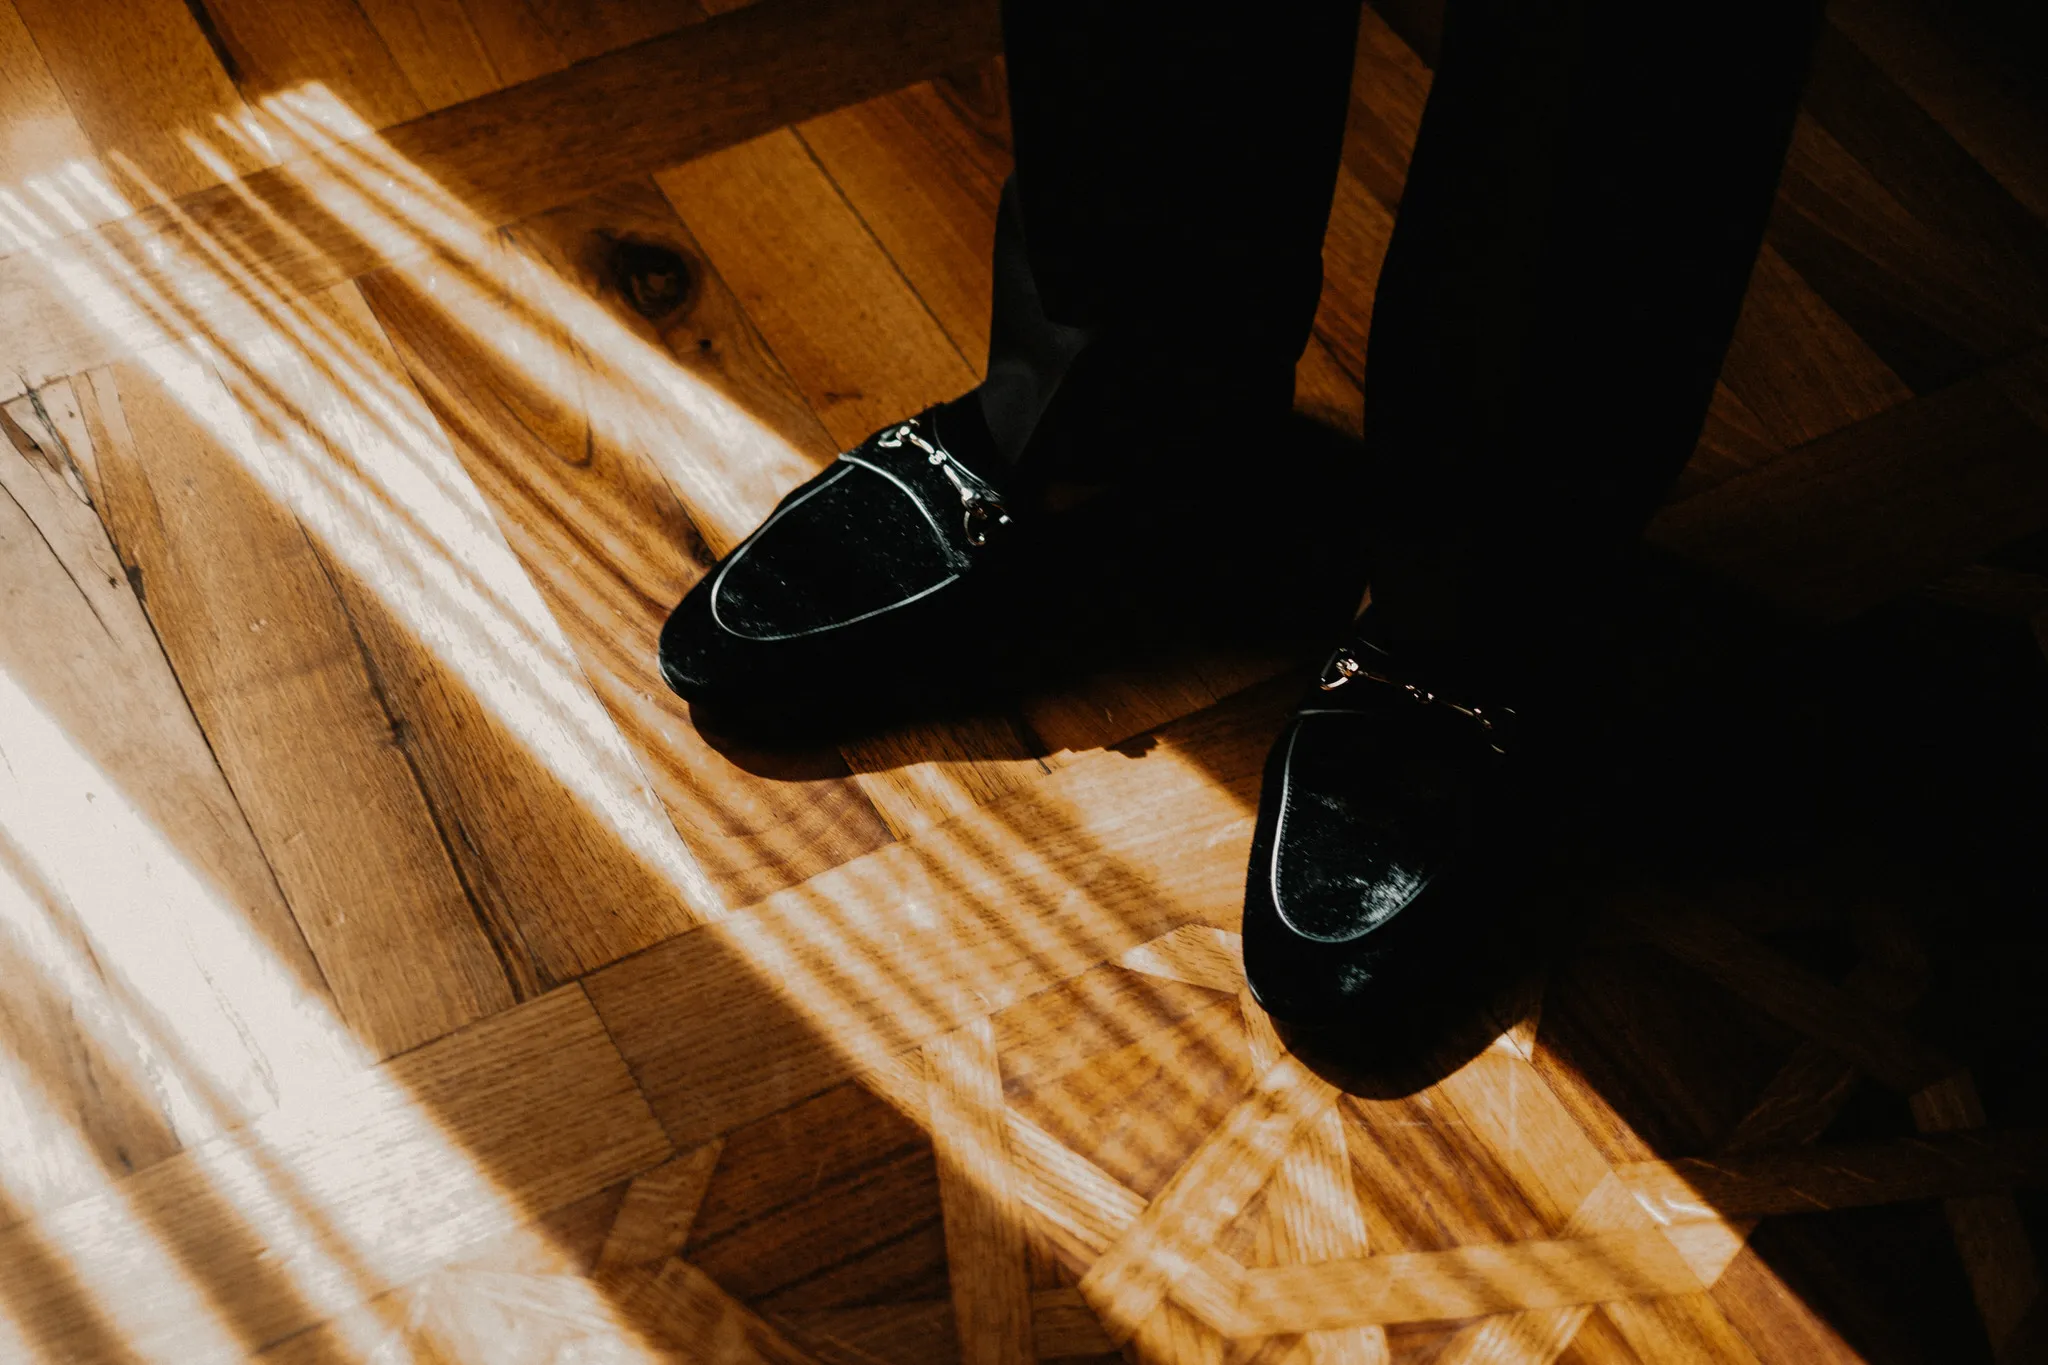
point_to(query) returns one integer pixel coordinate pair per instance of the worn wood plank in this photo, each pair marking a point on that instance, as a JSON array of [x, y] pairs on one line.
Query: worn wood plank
[[553, 819], [268, 1230], [265, 654], [159, 989]]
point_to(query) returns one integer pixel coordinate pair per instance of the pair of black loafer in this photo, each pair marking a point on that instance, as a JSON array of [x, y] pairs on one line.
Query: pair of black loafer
[[872, 587]]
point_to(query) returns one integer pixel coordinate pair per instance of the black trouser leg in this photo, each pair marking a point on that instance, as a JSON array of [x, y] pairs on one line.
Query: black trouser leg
[[1585, 202], [1586, 199], [1161, 249]]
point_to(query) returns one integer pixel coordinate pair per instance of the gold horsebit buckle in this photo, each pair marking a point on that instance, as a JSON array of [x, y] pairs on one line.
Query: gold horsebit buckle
[[980, 508], [1344, 667]]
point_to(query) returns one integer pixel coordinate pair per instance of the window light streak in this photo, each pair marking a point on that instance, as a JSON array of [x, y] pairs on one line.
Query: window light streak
[[824, 963], [375, 1194], [338, 436], [457, 588], [147, 918]]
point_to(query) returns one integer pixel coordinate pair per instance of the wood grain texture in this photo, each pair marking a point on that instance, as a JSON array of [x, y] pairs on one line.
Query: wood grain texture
[[268, 51], [1963, 81], [554, 422], [1815, 537], [1131, 1277], [950, 1024], [924, 168], [906, 943], [145, 85], [1315, 1217], [266, 655], [685, 1308], [1467, 1282], [559, 830], [992, 1310], [505, 156], [159, 990], [660, 1205], [437, 45], [377, 1191], [44, 138]]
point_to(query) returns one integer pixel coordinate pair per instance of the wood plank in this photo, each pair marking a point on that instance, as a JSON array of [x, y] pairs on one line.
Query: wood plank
[[1315, 1217], [1083, 1211], [1799, 998], [992, 1309], [832, 1202], [894, 948], [505, 156], [2005, 1277], [924, 169], [1977, 94], [1808, 1179], [852, 334], [1521, 1122], [266, 656], [1467, 1282], [1136, 1272], [461, 1308], [43, 141], [1141, 1108], [159, 989], [551, 817], [552, 390], [1796, 366], [1981, 231], [1353, 246], [1934, 305], [269, 51], [1389, 85], [145, 85], [686, 1308], [1876, 509], [311, 1210], [437, 45], [660, 1205]]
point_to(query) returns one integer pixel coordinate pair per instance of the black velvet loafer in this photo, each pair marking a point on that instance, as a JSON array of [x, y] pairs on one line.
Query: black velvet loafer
[[1376, 879], [849, 594]]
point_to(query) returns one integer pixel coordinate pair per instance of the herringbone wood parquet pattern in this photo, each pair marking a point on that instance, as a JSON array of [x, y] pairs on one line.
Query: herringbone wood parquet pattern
[[390, 971]]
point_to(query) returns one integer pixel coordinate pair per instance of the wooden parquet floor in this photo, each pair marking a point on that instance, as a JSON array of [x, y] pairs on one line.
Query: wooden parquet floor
[[390, 971]]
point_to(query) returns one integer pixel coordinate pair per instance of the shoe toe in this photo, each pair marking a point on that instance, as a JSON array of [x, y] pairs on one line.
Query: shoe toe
[[847, 547], [851, 544], [1359, 893]]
